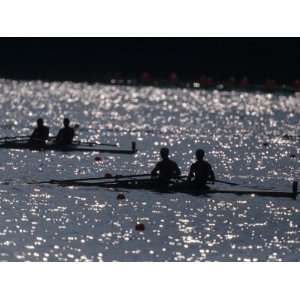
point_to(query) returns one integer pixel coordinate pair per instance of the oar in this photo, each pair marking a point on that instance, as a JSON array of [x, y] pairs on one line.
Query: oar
[[220, 181], [14, 137], [94, 144], [15, 140], [227, 182], [89, 178], [104, 183], [100, 144], [103, 178], [230, 183], [86, 143], [243, 185]]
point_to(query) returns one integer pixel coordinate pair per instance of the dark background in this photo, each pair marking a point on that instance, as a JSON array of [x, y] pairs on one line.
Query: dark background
[[92, 59]]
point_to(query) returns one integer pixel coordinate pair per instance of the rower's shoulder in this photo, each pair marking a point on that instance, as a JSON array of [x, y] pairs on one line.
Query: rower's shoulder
[[194, 165], [201, 164], [159, 163], [207, 164], [173, 162]]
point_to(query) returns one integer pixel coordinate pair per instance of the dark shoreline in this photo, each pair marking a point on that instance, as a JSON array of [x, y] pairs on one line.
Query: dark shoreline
[[269, 86], [267, 64], [219, 58]]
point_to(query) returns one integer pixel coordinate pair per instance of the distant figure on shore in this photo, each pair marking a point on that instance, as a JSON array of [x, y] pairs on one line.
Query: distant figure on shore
[[201, 171], [40, 133], [65, 135], [166, 168]]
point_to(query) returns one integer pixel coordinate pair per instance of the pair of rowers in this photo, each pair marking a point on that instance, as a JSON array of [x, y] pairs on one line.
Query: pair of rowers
[[200, 172], [41, 134]]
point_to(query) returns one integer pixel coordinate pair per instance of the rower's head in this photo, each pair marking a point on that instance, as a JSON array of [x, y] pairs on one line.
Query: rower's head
[[200, 154], [66, 122], [164, 153], [40, 122]]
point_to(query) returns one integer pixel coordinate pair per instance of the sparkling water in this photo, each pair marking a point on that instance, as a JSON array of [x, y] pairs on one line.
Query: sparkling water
[[249, 138]]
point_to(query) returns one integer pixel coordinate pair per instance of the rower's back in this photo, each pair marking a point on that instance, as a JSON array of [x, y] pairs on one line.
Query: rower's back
[[166, 168], [201, 170], [40, 133], [65, 135]]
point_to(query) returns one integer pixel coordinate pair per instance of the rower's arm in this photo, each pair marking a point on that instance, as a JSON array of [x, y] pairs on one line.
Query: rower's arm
[[211, 174], [177, 171], [33, 134], [155, 170], [72, 134], [47, 134], [191, 173], [58, 137]]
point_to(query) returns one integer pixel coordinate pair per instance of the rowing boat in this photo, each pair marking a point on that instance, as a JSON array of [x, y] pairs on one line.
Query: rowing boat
[[175, 187], [68, 148]]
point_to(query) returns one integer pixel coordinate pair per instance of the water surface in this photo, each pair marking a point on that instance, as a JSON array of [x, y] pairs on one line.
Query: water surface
[[241, 133]]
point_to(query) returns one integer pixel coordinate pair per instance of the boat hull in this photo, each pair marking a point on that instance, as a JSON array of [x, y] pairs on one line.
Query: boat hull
[[185, 188], [71, 148]]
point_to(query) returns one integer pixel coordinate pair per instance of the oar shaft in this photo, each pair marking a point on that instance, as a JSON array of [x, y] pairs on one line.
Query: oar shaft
[[98, 144], [226, 182], [105, 144], [112, 179], [14, 137], [94, 144], [216, 180], [90, 178]]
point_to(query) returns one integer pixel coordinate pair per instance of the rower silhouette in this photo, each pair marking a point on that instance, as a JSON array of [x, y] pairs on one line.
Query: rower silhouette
[[65, 135], [40, 133], [201, 171], [166, 168]]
